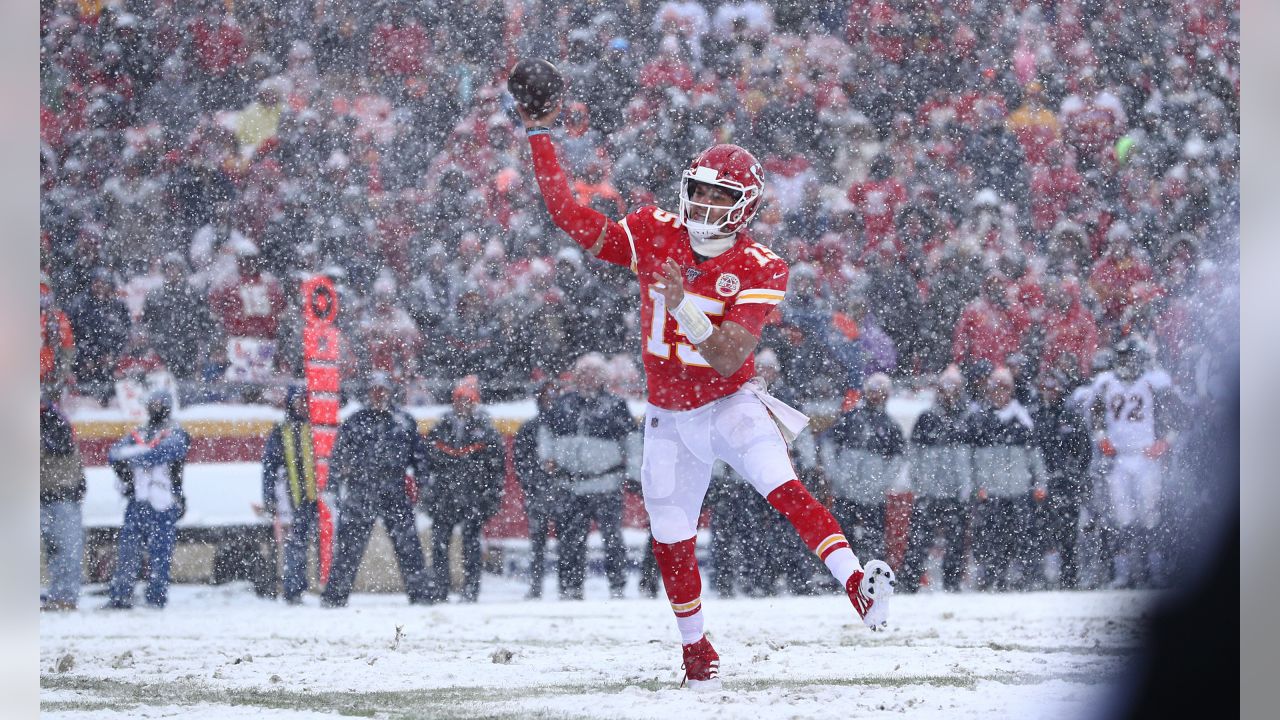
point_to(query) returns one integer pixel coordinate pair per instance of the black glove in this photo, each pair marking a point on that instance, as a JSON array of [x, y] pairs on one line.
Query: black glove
[[180, 502]]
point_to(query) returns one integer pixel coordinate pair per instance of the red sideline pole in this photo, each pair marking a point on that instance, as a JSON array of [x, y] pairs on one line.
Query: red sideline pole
[[321, 350]]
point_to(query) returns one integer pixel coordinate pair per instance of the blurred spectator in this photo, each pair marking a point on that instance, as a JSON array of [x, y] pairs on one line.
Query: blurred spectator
[[177, 320], [864, 454], [174, 101], [1033, 124], [217, 43], [1070, 333], [1054, 185], [857, 322], [877, 201], [259, 121], [1007, 468], [289, 491], [541, 481], [249, 306], [588, 427], [391, 340], [990, 327], [57, 342], [376, 448], [62, 488], [1093, 119], [100, 322], [149, 463], [398, 46], [941, 480], [995, 156], [467, 478], [1065, 445], [1117, 274]]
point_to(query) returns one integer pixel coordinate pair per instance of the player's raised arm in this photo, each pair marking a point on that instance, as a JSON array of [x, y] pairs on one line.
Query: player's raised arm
[[589, 228]]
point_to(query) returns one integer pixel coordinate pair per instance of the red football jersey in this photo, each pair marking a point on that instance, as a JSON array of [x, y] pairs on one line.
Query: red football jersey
[[743, 284]]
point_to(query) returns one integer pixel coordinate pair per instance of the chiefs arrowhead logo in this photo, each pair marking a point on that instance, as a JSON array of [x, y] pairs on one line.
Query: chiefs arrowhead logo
[[728, 284]]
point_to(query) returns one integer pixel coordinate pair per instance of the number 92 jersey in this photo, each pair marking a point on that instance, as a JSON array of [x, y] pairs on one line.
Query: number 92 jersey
[[1130, 408], [742, 285]]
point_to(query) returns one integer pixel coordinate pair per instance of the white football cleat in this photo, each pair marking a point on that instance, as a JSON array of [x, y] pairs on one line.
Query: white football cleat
[[869, 590]]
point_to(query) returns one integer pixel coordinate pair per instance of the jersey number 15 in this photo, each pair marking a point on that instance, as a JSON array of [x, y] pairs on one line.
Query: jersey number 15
[[685, 352]]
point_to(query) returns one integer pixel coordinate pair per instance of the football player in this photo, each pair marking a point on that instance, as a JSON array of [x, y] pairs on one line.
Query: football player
[[705, 290], [1131, 413]]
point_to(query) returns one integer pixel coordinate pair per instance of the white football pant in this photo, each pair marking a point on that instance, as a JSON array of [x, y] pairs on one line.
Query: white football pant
[[680, 448]]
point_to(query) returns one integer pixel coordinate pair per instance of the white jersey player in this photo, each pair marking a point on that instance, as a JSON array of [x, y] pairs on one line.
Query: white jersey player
[[1129, 411]]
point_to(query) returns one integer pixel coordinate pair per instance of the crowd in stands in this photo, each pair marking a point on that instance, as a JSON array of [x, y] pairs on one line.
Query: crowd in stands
[[951, 182]]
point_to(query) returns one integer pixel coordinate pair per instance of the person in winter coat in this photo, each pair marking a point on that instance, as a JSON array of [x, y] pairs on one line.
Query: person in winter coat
[[177, 319], [1069, 328], [376, 447], [1064, 441], [589, 427], [100, 321], [467, 475], [1007, 471], [941, 477], [864, 455], [541, 481], [149, 462], [62, 490], [289, 491], [990, 327]]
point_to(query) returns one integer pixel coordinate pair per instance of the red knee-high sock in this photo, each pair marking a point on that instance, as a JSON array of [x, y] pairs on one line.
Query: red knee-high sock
[[678, 564], [817, 527]]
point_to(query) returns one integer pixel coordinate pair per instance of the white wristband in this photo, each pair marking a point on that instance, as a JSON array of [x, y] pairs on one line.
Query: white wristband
[[692, 321]]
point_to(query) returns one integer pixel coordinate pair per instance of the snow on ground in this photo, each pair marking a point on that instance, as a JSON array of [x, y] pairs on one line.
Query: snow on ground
[[221, 652]]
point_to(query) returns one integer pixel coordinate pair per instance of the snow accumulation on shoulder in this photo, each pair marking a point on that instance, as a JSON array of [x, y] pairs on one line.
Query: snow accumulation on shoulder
[[221, 652]]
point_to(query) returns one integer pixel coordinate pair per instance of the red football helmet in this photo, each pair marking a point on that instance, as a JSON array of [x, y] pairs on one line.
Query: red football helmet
[[729, 167]]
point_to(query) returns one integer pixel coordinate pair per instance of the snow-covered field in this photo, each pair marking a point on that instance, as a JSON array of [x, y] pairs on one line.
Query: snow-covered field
[[221, 652]]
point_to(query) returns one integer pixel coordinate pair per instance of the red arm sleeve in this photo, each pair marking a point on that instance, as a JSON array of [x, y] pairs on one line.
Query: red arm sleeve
[[581, 223]]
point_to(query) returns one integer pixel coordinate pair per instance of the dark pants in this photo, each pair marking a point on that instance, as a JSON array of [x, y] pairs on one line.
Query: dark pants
[[1063, 533], [441, 531], [789, 559], [741, 534], [156, 529], [296, 544], [539, 528], [650, 578], [999, 526], [355, 522], [863, 525], [572, 528], [931, 517]]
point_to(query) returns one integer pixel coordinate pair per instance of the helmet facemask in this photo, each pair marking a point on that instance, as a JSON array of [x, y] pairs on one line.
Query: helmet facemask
[[710, 237]]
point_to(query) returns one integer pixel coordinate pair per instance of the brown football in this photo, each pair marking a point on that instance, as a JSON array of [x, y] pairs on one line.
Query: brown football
[[536, 85]]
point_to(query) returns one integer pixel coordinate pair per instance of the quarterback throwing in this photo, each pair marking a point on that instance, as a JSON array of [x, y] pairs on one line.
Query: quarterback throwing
[[705, 290]]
